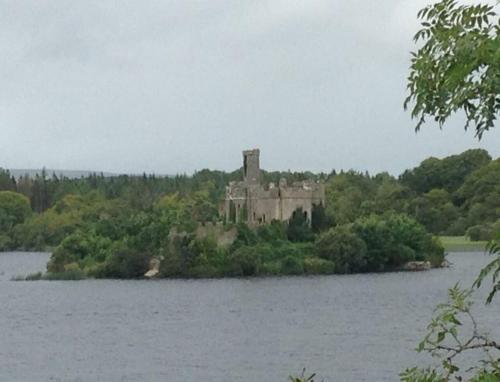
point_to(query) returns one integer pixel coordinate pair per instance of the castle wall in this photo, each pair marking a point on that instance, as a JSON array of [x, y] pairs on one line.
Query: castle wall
[[264, 209], [291, 204], [251, 202], [223, 237]]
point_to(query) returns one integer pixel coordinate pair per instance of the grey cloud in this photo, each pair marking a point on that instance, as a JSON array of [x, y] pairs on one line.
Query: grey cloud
[[174, 86]]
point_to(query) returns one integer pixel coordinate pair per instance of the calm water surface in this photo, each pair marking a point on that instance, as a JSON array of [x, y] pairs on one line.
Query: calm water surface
[[345, 328]]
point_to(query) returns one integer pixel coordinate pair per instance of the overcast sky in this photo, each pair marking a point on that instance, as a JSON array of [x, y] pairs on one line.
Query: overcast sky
[[175, 86]]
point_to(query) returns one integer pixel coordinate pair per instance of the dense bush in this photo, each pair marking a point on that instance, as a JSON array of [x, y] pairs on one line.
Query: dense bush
[[299, 227], [45, 230], [342, 246], [319, 220], [393, 239], [245, 261], [5, 243], [82, 248], [480, 232], [178, 256], [275, 231], [245, 236], [377, 243], [318, 266], [14, 209], [126, 263], [291, 265]]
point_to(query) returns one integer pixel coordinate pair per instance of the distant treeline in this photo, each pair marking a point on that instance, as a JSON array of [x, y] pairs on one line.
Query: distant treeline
[[45, 189], [97, 222]]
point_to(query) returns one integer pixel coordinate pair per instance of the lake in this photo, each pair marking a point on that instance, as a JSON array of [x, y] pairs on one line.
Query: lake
[[345, 328]]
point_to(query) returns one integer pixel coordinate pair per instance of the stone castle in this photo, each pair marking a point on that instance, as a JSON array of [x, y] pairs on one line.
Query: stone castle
[[251, 202]]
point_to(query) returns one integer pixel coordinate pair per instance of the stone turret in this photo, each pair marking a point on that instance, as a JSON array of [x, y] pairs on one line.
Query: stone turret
[[251, 167]]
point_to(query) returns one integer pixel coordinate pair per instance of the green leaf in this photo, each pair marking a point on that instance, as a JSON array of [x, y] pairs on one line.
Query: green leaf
[[441, 336]]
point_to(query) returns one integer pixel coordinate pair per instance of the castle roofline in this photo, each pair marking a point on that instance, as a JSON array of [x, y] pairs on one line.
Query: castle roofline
[[251, 151]]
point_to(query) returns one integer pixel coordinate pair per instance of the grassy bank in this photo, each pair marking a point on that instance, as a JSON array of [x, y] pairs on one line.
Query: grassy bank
[[462, 244]]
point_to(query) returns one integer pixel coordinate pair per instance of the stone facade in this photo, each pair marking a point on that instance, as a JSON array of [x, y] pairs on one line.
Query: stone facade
[[253, 203]]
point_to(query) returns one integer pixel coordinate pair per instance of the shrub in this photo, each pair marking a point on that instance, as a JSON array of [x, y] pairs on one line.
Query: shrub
[[5, 243], [299, 229], [171, 265], [480, 232], [96, 270], [210, 260], [14, 209], [203, 271], [495, 228], [271, 268], [205, 246], [343, 247], [399, 254], [245, 236], [291, 266], [297, 250], [47, 229], [245, 261], [319, 220], [276, 231], [80, 247], [394, 239], [179, 255], [457, 227], [127, 263], [317, 266], [433, 250]]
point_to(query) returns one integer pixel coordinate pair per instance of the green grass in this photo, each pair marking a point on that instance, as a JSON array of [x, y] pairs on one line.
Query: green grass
[[462, 244]]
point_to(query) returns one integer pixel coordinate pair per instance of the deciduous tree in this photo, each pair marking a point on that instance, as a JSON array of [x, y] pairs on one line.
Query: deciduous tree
[[457, 66]]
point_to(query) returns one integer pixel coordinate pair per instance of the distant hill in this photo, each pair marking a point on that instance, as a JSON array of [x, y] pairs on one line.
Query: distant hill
[[73, 174]]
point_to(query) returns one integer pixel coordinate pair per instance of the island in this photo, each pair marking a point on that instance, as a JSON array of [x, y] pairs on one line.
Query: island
[[249, 222]]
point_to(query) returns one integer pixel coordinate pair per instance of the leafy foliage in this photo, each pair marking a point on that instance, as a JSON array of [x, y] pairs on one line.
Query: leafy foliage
[[445, 340], [377, 243], [448, 173], [457, 66], [245, 261], [14, 209], [493, 269], [344, 248], [418, 375], [299, 229], [394, 239]]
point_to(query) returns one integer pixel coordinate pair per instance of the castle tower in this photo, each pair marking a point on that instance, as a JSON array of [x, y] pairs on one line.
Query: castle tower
[[253, 203], [251, 167]]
